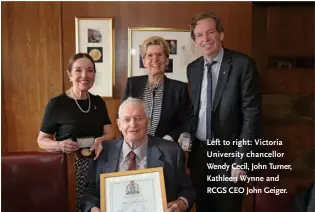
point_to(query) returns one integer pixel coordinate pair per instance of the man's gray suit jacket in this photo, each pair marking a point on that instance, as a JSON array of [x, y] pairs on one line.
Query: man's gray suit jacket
[[160, 153]]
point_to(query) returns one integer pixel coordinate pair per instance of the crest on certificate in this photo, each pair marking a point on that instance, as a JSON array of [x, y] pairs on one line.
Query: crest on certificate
[[132, 188]]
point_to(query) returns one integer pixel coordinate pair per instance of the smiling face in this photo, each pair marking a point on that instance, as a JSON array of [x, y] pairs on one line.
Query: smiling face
[[155, 60], [208, 38], [82, 74], [133, 122]]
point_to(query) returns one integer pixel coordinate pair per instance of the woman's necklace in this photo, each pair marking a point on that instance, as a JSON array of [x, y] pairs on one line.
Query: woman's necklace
[[75, 99]]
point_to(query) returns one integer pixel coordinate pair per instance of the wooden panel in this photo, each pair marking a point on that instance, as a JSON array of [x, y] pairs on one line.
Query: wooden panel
[[153, 14], [112, 109], [288, 81], [296, 139], [291, 31], [259, 37], [31, 66], [5, 65], [288, 107], [286, 35]]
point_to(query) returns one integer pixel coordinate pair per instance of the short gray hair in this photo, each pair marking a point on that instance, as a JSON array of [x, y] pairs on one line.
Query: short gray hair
[[134, 101]]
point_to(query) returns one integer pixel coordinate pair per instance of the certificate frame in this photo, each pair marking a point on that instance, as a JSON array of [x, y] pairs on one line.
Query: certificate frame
[[185, 50], [96, 36], [110, 181]]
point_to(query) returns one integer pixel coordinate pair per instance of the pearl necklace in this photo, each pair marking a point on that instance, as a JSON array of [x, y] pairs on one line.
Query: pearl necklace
[[75, 99]]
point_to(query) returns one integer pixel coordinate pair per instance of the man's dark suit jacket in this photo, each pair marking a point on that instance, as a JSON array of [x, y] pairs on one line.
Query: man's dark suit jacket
[[305, 201], [175, 105], [236, 112], [160, 153]]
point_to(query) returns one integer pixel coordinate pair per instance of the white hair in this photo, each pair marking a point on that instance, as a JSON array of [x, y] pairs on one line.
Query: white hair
[[134, 101]]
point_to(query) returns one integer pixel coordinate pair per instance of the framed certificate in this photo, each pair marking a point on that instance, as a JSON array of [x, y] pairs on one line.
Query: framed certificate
[[137, 191]]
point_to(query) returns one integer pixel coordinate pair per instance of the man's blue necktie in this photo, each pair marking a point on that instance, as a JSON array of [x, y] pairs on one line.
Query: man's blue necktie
[[209, 99]]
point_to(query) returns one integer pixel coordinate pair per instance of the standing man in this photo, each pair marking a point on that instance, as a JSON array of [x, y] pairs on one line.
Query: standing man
[[226, 98]]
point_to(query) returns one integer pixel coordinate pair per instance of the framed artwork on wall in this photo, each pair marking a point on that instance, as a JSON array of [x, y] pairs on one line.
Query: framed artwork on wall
[[95, 36], [182, 48]]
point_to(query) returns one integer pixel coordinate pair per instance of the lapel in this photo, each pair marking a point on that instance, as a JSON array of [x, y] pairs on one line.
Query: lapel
[[165, 102], [113, 152], [139, 87], [153, 154], [223, 77], [198, 77]]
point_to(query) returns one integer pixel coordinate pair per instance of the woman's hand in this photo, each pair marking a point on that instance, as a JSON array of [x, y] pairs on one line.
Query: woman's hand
[[97, 146], [68, 146]]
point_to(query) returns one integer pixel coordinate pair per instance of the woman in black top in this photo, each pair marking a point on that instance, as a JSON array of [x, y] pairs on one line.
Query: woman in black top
[[167, 100], [76, 114]]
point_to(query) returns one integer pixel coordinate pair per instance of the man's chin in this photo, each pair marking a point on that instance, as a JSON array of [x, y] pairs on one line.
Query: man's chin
[[208, 51], [136, 138]]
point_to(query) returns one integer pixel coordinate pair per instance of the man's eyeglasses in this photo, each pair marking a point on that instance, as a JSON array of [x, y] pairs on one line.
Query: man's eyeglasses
[[149, 56]]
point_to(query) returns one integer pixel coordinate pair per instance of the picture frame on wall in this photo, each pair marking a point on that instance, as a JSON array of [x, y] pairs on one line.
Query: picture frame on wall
[[183, 50], [138, 190], [96, 37]]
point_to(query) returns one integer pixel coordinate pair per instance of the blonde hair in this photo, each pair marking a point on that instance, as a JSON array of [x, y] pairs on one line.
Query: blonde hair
[[155, 40]]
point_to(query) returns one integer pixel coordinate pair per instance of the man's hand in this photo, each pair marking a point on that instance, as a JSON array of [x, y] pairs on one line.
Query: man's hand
[[97, 146], [176, 206], [180, 139], [237, 173], [95, 209]]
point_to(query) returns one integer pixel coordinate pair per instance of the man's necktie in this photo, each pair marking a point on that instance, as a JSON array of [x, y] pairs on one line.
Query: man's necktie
[[209, 99], [132, 161]]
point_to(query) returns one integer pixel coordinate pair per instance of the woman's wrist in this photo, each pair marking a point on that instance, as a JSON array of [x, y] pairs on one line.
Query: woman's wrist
[[100, 139], [58, 146]]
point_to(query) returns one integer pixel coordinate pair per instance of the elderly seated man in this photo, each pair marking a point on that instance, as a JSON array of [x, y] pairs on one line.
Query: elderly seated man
[[149, 152]]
